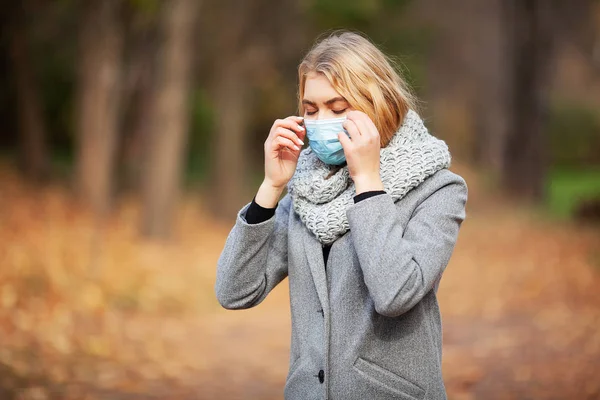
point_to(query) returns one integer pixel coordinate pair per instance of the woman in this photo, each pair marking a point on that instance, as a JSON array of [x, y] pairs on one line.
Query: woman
[[364, 232]]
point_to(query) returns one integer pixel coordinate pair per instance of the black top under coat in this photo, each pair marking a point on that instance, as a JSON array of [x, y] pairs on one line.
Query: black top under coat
[[257, 214]]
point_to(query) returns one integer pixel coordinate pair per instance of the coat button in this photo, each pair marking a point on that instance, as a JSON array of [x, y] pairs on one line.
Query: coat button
[[321, 376]]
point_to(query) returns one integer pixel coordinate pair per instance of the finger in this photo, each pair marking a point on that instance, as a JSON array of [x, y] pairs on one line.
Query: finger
[[371, 126], [363, 122], [301, 135], [363, 127], [352, 129], [282, 142], [288, 134], [354, 115], [296, 118], [345, 142], [292, 123]]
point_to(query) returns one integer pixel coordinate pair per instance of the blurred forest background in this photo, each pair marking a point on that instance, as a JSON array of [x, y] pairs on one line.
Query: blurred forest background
[[133, 132]]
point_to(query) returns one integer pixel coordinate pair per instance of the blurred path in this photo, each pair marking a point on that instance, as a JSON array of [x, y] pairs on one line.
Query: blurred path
[[520, 307]]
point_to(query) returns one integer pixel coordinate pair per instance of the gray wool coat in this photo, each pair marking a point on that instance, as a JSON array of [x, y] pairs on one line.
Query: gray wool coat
[[368, 326]]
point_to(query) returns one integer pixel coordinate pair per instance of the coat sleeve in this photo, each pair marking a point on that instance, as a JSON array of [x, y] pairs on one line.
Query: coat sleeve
[[254, 259], [402, 264]]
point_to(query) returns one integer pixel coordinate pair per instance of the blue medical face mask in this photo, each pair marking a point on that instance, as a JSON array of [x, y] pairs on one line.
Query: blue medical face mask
[[322, 139]]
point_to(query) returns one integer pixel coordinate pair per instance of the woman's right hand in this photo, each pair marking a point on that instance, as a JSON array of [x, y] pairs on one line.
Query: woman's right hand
[[282, 149]]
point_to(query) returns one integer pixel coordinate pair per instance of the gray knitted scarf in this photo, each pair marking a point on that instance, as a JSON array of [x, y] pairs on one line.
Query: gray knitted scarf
[[412, 155]]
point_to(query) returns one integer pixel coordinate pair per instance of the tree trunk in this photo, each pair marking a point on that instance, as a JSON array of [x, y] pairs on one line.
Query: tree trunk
[[97, 118], [139, 78], [526, 148], [450, 86], [230, 89], [170, 120], [34, 153], [229, 164], [494, 76]]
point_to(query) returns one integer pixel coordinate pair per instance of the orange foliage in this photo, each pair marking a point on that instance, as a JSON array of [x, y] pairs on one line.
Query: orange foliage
[[89, 310]]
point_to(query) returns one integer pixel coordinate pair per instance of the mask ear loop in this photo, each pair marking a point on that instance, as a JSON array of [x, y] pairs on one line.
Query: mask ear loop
[[301, 123]]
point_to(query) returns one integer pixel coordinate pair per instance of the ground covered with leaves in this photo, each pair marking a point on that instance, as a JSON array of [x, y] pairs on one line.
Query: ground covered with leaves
[[88, 310]]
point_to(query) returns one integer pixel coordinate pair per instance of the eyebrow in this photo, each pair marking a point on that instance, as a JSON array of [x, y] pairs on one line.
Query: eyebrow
[[328, 102]]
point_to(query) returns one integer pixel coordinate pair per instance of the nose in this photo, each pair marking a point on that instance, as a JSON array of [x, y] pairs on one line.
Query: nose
[[322, 115]]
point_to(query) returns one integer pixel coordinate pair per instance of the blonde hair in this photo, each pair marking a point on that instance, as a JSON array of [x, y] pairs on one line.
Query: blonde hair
[[361, 73]]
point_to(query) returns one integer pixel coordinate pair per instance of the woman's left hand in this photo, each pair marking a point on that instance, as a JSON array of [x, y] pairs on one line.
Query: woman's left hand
[[362, 151]]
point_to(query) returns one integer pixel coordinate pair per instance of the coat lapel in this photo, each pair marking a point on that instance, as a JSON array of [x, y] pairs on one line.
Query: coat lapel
[[314, 255]]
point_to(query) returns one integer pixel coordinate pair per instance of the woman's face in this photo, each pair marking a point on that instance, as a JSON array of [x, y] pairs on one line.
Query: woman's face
[[321, 100]]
